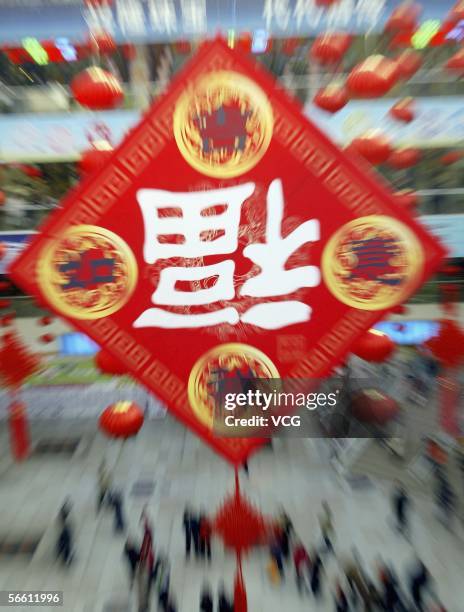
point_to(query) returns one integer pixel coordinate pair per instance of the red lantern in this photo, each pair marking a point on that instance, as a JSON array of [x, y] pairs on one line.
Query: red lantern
[[373, 77], [3, 250], [47, 338], [374, 407], [7, 320], [30, 171], [244, 42], [93, 159], [97, 3], [404, 158], [129, 51], [331, 98], [400, 309], [46, 320], [107, 364], [408, 63], [290, 45], [97, 89], [457, 12], [330, 48], [17, 363], [451, 270], [373, 146], [403, 18], [403, 110], [103, 43], [451, 158], [183, 47], [407, 198], [456, 62], [448, 346], [19, 431], [374, 346], [121, 420], [2, 198]]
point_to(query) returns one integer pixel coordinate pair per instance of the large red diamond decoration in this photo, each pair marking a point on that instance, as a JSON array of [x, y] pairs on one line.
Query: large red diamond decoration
[[226, 236]]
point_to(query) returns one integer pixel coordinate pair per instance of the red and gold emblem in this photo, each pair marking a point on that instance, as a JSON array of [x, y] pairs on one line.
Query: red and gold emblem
[[223, 124], [234, 360], [372, 262], [88, 272]]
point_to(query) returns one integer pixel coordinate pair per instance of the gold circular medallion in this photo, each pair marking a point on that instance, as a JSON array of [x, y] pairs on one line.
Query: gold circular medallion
[[224, 361], [372, 263], [223, 124], [88, 272]]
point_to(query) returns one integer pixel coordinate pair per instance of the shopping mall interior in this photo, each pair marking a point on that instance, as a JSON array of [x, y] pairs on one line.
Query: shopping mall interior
[[120, 488]]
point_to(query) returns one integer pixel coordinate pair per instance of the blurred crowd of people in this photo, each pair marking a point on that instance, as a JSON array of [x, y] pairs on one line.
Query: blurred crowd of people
[[355, 589]]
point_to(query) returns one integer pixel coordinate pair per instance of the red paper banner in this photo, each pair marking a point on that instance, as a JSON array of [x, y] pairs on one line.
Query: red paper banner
[[226, 235]]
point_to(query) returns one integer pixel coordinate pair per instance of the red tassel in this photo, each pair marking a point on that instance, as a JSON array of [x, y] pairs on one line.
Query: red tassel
[[240, 596], [19, 431]]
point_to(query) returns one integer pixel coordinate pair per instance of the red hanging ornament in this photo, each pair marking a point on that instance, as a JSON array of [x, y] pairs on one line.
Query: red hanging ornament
[[456, 62], [451, 270], [331, 98], [28, 170], [373, 77], [374, 407], [448, 346], [374, 346], [17, 363], [406, 198], [239, 524], [121, 420], [330, 48], [290, 46], [183, 47], [47, 338], [451, 158], [98, 3], [2, 198], [449, 296], [19, 431], [94, 159], [408, 63], [400, 309], [129, 51], [107, 364], [404, 158], [7, 319], [97, 89], [244, 42], [373, 146], [46, 320], [3, 250], [403, 110], [404, 18], [102, 43], [456, 13]]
